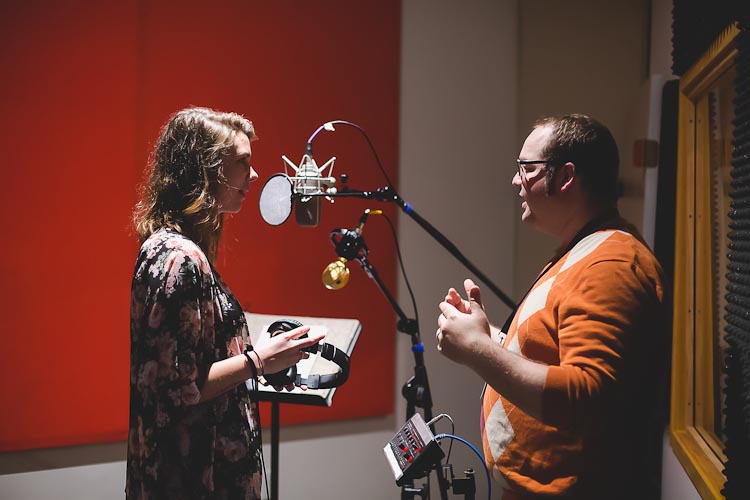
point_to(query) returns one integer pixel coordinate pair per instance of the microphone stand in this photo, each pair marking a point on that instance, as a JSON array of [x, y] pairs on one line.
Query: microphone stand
[[417, 388]]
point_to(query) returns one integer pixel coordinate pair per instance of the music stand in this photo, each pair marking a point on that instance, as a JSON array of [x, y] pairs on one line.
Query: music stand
[[342, 333]]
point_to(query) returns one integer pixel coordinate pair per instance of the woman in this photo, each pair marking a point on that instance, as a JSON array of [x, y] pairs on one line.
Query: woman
[[193, 423]]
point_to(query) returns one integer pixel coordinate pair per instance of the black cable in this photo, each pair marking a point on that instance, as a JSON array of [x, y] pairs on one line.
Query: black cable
[[403, 269], [367, 138], [260, 444], [264, 474], [262, 459]]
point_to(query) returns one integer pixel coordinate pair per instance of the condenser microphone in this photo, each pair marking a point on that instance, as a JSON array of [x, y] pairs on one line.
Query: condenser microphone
[[308, 182], [301, 191]]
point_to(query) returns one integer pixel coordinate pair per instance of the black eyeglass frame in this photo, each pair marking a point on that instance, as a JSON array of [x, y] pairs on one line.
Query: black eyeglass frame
[[522, 171]]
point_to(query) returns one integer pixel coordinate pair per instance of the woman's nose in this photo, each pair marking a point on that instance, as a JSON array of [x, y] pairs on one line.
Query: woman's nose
[[252, 175]]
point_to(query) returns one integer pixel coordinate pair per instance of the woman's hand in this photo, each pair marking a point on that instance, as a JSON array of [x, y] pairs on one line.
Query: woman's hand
[[284, 350]]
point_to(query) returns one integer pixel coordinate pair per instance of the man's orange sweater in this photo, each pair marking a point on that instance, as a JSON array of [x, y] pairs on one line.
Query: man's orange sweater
[[598, 317]]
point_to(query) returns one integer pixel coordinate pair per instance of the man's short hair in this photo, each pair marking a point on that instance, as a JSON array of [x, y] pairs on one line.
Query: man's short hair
[[589, 145]]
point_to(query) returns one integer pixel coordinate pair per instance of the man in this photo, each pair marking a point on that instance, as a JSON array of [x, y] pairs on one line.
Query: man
[[572, 390]]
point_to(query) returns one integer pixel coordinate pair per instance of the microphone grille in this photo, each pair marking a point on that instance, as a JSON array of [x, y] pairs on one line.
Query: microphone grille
[[336, 275]]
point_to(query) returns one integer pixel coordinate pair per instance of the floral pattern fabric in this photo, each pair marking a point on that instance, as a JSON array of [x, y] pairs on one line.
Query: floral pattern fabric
[[183, 318]]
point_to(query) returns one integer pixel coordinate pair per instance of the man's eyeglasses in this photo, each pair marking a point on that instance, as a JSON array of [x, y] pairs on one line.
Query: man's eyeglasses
[[522, 169]]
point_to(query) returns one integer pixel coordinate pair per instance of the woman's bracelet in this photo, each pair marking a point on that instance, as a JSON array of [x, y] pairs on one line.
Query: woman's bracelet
[[250, 362], [260, 362]]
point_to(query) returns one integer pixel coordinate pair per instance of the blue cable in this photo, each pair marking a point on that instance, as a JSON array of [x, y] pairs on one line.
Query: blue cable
[[481, 458]]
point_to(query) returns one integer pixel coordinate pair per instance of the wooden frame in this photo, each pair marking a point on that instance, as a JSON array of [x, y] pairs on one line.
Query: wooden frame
[[696, 446]]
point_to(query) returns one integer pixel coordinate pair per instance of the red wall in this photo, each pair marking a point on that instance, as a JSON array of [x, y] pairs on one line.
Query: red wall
[[84, 92]]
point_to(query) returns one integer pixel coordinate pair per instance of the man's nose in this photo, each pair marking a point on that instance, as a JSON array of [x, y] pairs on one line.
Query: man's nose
[[516, 180]]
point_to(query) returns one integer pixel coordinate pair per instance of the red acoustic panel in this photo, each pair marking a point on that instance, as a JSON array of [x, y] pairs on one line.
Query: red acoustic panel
[[68, 100], [85, 92]]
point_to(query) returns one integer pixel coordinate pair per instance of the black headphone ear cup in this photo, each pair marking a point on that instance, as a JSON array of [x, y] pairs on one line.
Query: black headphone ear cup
[[283, 325], [282, 378]]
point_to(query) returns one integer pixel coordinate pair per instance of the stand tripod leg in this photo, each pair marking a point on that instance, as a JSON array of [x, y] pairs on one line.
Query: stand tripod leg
[[417, 390]]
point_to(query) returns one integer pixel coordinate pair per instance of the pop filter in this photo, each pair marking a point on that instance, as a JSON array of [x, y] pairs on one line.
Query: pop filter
[[276, 199]]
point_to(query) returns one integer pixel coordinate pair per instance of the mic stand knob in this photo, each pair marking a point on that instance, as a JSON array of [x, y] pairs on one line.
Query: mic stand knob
[[414, 393], [408, 326]]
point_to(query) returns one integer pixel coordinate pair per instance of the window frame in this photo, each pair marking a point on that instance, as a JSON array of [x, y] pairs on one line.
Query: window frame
[[695, 444]]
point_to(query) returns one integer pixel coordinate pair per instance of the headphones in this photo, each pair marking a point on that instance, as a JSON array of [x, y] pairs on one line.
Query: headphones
[[327, 351]]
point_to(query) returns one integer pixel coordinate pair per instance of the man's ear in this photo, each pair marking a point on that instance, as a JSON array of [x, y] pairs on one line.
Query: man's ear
[[567, 175]]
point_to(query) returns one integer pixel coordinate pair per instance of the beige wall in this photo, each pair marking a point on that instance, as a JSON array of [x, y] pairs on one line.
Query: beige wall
[[458, 116]]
